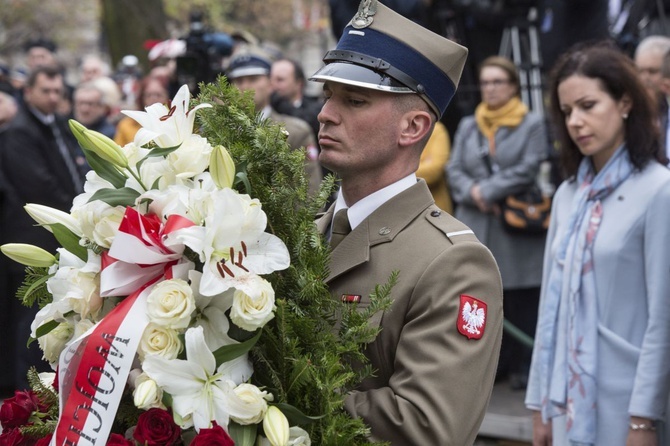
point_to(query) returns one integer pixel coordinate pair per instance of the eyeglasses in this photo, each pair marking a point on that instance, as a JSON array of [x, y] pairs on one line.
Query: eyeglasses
[[494, 82], [88, 103]]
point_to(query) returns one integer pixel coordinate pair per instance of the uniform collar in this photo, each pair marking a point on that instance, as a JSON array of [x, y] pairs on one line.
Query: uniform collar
[[366, 206]]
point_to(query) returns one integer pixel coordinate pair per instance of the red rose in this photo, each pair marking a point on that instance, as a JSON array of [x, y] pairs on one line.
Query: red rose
[[12, 437], [16, 411], [44, 441], [55, 384], [155, 427], [216, 436], [119, 440]]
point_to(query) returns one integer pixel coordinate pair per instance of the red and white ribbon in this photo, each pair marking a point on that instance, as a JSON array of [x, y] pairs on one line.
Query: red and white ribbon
[[93, 369]]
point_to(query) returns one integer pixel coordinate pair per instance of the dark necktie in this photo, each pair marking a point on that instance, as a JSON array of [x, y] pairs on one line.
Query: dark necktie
[[67, 157], [340, 228]]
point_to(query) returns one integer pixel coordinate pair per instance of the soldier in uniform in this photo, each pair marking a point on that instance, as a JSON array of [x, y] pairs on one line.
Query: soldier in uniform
[[386, 84], [250, 70]]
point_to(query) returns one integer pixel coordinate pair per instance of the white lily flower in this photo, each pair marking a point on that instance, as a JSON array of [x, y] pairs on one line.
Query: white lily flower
[[94, 183], [211, 314], [74, 286], [233, 246], [200, 391], [45, 216], [191, 200], [166, 126]]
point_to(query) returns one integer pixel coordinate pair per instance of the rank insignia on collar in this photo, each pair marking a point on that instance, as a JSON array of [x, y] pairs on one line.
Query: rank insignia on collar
[[471, 317], [365, 15], [351, 298]]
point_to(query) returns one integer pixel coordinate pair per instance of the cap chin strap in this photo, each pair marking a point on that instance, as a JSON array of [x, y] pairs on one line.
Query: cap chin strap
[[381, 66], [376, 64]]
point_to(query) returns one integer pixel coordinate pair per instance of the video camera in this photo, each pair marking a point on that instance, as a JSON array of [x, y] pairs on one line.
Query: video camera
[[204, 51]]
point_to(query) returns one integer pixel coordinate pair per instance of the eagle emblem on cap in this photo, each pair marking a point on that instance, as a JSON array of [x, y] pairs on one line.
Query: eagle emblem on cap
[[365, 15]]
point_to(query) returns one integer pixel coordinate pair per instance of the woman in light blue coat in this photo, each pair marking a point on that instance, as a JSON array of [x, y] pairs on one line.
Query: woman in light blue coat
[[600, 373]]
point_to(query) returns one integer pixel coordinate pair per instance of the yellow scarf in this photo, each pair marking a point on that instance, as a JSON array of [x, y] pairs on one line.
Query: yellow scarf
[[489, 121]]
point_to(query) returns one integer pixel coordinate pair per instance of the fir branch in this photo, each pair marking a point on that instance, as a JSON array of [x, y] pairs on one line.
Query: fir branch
[[45, 394], [34, 287]]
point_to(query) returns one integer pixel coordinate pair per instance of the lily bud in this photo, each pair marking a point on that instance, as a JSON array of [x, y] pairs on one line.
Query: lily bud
[[45, 216], [28, 255], [106, 148], [221, 167], [78, 131], [275, 426], [99, 144]]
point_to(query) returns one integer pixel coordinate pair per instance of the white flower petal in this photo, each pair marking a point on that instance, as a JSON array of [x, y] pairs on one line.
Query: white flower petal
[[197, 351], [176, 376]]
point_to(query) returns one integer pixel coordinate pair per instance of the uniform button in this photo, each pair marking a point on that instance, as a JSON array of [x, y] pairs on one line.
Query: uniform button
[[384, 231], [435, 214]]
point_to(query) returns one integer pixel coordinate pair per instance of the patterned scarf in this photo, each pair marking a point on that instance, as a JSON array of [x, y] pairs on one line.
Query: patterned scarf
[[568, 326], [489, 121]]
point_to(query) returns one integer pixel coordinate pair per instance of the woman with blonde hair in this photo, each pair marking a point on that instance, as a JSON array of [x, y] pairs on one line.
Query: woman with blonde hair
[[497, 152]]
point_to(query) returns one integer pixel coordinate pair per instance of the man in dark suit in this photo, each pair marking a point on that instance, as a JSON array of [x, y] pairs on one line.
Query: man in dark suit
[[40, 162], [287, 80], [386, 84]]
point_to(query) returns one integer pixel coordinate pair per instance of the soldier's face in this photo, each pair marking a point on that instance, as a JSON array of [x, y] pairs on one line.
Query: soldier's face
[[359, 130], [259, 84]]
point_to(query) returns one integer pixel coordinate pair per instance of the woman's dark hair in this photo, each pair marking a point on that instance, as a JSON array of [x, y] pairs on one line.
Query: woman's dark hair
[[144, 84], [504, 64], [618, 78]]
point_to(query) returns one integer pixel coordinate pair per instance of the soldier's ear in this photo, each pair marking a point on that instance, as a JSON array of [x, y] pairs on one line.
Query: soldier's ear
[[415, 124]]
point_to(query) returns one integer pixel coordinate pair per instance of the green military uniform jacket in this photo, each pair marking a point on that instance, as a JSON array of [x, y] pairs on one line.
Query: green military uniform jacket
[[432, 383]]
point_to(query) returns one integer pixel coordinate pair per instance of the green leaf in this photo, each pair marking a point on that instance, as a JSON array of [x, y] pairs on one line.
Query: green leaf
[[243, 435], [36, 284], [46, 328], [241, 177], [69, 240], [295, 417], [230, 352], [125, 196], [157, 152], [104, 169]]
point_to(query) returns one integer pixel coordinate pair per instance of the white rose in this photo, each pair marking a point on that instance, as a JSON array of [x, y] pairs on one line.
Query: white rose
[[192, 157], [75, 284], [252, 311], [53, 343], [171, 303], [134, 153], [298, 437], [147, 393], [153, 169], [106, 228], [157, 340], [254, 404], [82, 327], [99, 221], [47, 379]]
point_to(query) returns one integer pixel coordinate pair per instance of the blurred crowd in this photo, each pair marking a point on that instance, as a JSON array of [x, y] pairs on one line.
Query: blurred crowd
[[476, 157]]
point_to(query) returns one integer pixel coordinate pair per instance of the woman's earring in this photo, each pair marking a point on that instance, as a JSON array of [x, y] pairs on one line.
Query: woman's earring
[[625, 116]]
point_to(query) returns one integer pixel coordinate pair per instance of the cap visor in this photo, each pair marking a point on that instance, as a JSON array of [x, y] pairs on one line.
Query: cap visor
[[247, 71], [351, 74]]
